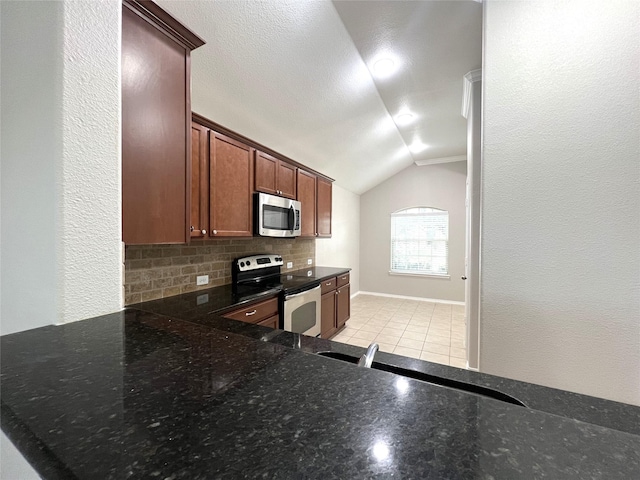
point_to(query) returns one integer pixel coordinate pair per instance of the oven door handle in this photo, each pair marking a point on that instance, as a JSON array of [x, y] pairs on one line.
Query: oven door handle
[[291, 297]]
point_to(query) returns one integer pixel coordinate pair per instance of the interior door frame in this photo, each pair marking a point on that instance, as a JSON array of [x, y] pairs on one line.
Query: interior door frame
[[472, 111]]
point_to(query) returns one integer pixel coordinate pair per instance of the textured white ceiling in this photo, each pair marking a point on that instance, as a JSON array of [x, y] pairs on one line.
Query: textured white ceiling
[[291, 75]]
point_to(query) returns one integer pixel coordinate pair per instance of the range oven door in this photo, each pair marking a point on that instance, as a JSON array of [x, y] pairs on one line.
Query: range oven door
[[276, 216], [302, 312]]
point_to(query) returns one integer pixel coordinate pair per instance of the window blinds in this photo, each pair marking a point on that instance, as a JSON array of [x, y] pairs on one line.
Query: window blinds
[[420, 241]]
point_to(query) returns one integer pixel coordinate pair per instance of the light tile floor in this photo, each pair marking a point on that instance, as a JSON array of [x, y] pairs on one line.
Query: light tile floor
[[429, 331]]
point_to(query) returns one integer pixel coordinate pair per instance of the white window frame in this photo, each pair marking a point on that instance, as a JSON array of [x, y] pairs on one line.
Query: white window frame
[[419, 211]]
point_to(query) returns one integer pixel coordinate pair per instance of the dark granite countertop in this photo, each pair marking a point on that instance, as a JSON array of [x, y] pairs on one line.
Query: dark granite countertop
[[196, 308], [140, 395], [222, 299]]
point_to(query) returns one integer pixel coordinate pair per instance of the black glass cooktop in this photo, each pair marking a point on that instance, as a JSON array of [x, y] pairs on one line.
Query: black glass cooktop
[[286, 283]]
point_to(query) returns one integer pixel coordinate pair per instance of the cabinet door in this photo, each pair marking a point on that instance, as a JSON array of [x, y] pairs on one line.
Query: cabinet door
[[324, 208], [274, 176], [155, 154], [271, 322], [286, 179], [266, 172], [307, 198], [231, 187], [199, 181], [343, 305], [328, 315]]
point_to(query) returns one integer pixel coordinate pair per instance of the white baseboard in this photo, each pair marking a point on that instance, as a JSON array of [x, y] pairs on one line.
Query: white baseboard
[[420, 299], [355, 295]]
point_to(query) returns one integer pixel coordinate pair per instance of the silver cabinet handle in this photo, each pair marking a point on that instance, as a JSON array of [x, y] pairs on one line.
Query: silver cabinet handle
[[344, 278], [204, 232], [248, 314], [192, 229], [328, 284], [215, 232]]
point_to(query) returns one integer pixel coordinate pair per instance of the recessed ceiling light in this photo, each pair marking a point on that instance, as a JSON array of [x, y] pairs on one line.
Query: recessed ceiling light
[[417, 146], [384, 67], [404, 118]]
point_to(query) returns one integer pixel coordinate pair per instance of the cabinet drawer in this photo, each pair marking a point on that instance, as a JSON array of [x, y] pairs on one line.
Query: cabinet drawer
[[255, 313], [328, 285], [342, 280]]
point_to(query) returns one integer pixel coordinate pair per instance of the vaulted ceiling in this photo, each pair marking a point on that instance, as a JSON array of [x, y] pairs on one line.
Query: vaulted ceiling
[[297, 76]]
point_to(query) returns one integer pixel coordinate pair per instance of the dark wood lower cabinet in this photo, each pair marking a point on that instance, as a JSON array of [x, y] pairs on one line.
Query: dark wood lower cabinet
[[335, 306], [328, 315], [343, 305], [271, 322], [263, 313]]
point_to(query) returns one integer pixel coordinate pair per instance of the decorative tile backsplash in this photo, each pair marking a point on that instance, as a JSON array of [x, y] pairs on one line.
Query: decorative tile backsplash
[[157, 271]]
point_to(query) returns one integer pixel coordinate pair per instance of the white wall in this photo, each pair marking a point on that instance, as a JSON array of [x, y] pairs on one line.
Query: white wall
[[31, 149], [560, 294], [343, 248], [12, 464], [61, 256], [438, 186]]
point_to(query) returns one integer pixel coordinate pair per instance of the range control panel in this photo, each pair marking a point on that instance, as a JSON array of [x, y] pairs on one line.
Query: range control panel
[[258, 262]]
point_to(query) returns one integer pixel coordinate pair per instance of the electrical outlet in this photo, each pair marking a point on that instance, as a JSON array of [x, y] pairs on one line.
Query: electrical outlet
[[309, 261], [289, 264], [202, 279]]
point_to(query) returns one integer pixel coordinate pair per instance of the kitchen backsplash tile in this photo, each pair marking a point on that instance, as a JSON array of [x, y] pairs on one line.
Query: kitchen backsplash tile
[[157, 271]]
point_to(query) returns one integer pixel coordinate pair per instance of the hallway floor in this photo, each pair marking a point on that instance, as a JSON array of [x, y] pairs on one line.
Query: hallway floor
[[429, 331]]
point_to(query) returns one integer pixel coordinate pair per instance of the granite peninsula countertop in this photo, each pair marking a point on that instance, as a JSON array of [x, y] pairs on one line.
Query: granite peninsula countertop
[[136, 394]]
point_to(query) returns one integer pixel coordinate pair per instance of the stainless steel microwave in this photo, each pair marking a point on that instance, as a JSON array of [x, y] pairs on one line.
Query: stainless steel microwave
[[276, 216]]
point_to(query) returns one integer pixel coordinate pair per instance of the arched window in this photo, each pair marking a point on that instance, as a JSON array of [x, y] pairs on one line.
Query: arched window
[[420, 241]]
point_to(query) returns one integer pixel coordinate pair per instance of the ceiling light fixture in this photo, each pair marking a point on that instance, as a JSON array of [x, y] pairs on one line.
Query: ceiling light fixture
[[404, 118], [384, 67], [417, 146]]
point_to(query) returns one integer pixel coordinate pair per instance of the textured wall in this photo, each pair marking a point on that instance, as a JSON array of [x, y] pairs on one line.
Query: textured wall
[[343, 248], [89, 232], [560, 299], [439, 186], [154, 271], [61, 257]]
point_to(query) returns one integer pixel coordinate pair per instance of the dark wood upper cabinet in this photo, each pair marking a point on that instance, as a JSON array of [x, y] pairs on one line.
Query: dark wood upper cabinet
[[231, 187], [307, 198], [156, 124], [199, 181], [287, 180], [266, 172], [274, 176], [323, 218]]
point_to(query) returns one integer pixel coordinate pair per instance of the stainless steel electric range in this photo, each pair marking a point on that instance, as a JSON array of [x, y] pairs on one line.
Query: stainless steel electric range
[[300, 296]]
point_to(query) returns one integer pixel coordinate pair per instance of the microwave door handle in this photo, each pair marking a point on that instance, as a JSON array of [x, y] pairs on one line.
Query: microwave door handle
[[292, 218]]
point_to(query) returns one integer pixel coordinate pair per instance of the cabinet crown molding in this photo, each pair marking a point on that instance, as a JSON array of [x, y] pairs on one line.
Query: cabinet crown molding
[[160, 18]]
